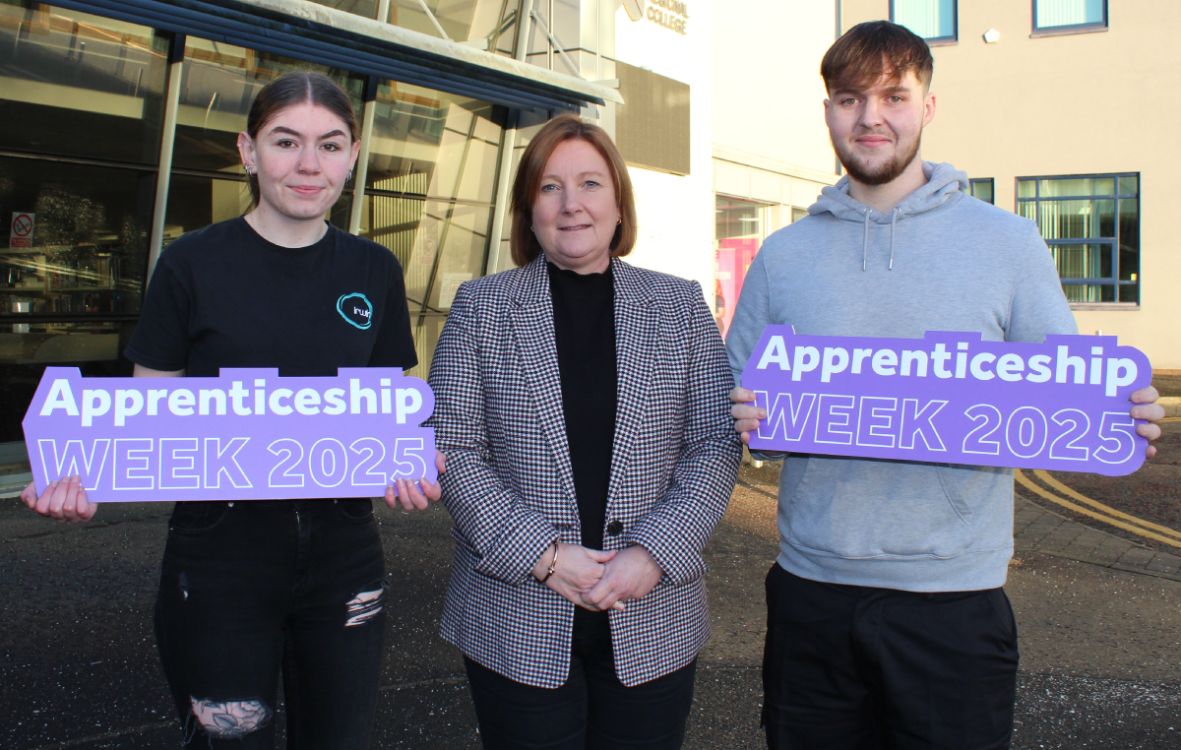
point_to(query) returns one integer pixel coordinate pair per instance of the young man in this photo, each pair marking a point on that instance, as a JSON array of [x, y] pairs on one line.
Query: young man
[[887, 625]]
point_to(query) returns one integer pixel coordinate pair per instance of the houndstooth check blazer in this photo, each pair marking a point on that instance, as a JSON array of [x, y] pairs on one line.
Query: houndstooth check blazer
[[509, 485]]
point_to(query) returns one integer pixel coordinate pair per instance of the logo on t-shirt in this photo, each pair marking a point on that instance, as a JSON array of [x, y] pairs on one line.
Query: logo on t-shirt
[[356, 309]]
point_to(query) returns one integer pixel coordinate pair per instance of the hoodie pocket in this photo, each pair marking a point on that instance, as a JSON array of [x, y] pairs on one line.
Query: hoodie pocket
[[860, 509]]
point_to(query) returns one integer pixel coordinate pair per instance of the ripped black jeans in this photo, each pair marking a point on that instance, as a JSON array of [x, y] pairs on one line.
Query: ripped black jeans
[[253, 589]]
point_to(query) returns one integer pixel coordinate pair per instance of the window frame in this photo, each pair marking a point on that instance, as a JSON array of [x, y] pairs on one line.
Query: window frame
[[1101, 25], [990, 181], [1113, 242], [955, 24]]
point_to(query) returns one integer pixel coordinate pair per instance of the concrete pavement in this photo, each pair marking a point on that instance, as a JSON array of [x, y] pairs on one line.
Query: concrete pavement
[[1100, 633]]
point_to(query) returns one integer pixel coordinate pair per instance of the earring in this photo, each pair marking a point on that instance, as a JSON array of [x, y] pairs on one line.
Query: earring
[[348, 176], [249, 169]]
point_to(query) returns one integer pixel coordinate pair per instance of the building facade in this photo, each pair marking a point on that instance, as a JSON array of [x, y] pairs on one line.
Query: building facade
[[771, 153], [1053, 108], [120, 119]]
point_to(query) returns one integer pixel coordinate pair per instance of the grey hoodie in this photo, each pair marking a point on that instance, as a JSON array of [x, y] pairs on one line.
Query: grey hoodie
[[940, 260]]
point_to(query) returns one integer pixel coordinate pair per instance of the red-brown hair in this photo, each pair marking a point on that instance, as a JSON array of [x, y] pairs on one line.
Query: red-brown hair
[[522, 241], [874, 49]]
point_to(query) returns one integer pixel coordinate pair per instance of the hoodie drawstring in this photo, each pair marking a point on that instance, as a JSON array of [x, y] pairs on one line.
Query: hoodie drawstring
[[865, 241], [893, 221]]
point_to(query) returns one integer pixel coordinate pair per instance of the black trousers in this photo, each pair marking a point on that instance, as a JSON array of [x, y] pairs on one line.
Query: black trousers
[[855, 668], [592, 711], [253, 589]]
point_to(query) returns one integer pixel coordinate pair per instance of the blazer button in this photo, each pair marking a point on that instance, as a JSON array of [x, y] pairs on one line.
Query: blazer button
[[615, 528]]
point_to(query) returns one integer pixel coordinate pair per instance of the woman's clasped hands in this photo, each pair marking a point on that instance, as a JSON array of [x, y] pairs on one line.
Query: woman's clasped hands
[[597, 580]]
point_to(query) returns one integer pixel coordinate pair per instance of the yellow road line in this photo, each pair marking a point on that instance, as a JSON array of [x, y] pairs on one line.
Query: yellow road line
[[1028, 484], [1054, 484]]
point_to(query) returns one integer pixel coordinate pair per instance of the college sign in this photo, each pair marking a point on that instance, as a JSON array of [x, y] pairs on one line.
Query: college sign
[[247, 434], [671, 14], [951, 398]]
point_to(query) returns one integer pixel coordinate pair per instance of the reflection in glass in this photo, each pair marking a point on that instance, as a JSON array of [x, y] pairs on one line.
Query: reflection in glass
[[430, 185], [366, 8], [87, 242], [439, 244], [982, 188], [930, 19], [25, 352], [426, 330], [490, 22], [1053, 14], [219, 83], [740, 227], [1093, 232], [79, 85]]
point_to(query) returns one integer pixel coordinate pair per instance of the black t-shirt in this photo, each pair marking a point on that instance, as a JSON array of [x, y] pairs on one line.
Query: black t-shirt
[[223, 296], [584, 331]]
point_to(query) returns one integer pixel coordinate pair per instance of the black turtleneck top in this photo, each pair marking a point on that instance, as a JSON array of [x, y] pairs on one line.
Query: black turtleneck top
[[584, 329]]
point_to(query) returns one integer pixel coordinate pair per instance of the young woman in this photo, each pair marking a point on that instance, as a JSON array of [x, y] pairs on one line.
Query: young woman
[[251, 590]]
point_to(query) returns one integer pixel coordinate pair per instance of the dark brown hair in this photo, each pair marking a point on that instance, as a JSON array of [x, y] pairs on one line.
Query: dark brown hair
[[522, 241], [288, 90], [872, 49]]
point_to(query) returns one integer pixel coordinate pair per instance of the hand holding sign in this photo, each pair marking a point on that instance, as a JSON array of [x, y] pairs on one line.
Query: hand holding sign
[[63, 499], [950, 398]]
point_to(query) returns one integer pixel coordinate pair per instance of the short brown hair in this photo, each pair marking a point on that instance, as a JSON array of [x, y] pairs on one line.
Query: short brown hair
[[562, 128], [872, 49], [288, 90]]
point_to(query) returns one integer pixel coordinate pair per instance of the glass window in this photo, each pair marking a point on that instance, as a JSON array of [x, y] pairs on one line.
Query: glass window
[[77, 238], [73, 84], [1092, 225], [740, 226], [430, 187], [366, 8], [982, 188], [82, 103], [491, 23], [933, 20], [1069, 14], [218, 84]]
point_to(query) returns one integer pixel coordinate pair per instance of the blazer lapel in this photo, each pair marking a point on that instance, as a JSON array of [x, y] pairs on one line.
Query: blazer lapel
[[636, 328], [532, 320]]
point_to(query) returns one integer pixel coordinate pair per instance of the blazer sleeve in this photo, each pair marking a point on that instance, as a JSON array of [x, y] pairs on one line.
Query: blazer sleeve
[[507, 534], [677, 528]]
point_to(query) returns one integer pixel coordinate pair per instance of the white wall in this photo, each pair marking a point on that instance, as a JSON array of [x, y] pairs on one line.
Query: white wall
[[676, 211], [768, 106]]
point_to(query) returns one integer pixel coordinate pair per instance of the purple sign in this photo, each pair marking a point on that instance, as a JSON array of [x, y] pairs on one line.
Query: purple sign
[[245, 435], [951, 398]]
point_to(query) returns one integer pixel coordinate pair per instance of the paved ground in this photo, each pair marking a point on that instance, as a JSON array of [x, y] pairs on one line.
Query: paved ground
[[1099, 618], [1097, 607]]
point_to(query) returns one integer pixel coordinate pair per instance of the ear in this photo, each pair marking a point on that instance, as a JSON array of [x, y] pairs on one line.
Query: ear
[[356, 151], [928, 109], [246, 149]]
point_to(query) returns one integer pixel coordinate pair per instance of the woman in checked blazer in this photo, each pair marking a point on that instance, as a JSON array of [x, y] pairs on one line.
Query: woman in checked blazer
[[582, 404]]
